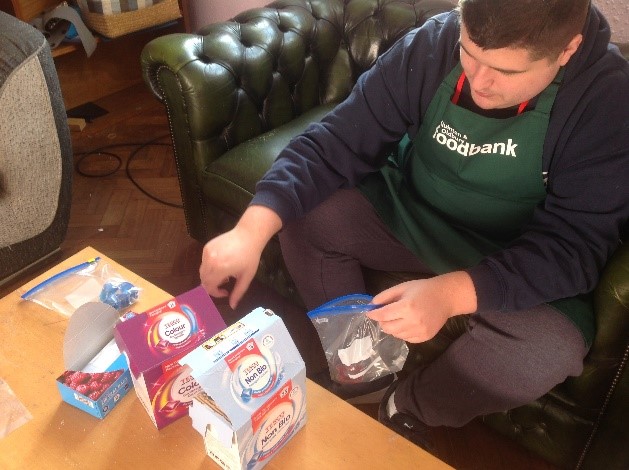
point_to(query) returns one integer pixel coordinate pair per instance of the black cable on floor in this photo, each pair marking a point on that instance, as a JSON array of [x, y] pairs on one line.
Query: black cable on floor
[[132, 155], [91, 154]]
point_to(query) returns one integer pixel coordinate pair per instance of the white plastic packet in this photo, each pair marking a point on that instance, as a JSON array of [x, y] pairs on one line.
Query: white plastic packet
[[13, 413]]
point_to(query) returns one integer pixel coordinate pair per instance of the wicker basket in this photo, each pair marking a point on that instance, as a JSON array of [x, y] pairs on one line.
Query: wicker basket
[[119, 24]]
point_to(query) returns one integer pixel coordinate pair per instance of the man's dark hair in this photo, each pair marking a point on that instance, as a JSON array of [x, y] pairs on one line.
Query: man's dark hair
[[544, 27]]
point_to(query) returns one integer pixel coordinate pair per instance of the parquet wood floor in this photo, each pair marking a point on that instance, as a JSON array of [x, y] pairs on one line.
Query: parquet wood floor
[[150, 238]]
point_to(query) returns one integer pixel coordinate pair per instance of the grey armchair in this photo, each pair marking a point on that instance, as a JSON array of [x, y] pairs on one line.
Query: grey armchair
[[35, 151]]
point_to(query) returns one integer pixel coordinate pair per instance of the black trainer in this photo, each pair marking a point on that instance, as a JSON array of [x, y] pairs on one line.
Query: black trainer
[[358, 393], [404, 424]]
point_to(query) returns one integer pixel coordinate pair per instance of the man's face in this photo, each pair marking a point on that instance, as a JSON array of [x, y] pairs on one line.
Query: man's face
[[501, 78]]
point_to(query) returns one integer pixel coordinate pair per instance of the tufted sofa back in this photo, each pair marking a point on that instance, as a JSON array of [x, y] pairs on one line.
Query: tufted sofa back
[[273, 64]]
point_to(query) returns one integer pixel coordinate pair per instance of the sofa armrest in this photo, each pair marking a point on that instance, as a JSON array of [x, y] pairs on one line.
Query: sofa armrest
[[240, 78], [612, 304], [237, 80], [607, 444]]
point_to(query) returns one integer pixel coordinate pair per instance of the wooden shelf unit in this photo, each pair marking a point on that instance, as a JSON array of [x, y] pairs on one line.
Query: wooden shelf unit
[[114, 65], [26, 10]]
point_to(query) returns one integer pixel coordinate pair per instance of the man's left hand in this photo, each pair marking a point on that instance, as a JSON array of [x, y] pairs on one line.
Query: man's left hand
[[416, 310]]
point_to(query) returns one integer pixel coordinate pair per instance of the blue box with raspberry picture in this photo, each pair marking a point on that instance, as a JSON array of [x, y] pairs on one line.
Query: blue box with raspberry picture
[[97, 374]]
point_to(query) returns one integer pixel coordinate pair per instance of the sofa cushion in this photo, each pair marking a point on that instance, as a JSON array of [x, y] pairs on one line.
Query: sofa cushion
[[29, 155], [35, 151], [229, 182]]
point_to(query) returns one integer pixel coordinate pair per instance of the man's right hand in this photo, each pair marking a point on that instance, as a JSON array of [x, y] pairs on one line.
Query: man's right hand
[[236, 254]]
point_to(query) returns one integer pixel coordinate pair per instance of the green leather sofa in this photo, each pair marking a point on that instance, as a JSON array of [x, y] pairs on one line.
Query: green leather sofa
[[235, 94]]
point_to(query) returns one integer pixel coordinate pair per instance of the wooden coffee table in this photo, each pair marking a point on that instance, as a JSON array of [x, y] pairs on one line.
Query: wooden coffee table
[[336, 435]]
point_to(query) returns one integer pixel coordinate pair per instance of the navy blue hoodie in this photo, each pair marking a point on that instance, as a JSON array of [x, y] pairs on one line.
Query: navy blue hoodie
[[586, 160]]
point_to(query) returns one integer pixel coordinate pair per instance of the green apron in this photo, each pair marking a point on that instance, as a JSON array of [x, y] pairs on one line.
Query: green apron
[[467, 184]]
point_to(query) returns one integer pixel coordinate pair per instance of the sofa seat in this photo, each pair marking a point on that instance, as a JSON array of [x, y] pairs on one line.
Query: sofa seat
[[224, 181]]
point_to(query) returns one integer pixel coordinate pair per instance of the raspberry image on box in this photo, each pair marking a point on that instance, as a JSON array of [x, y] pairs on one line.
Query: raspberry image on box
[[91, 385], [97, 374]]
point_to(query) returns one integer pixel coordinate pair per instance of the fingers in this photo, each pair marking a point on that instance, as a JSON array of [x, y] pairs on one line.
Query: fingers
[[213, 288], [214, 282], [217, 268], [399, 329], [386, 313], [394, 327], [240, 287], [228, 266], [388, 295], [211, 279]]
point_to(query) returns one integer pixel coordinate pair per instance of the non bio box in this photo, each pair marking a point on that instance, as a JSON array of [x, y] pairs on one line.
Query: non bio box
[[253, 391], [97, 375], [155, 340]]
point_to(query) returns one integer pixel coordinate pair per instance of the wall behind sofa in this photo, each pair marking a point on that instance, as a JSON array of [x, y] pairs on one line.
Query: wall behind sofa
[[198, 13], [617, 13], [201, 12]]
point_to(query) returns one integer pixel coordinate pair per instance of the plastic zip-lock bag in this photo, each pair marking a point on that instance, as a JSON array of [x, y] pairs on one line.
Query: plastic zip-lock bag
[[356, 348], [90, 281]]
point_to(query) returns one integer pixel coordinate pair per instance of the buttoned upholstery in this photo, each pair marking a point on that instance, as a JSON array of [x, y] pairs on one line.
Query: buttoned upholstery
[[236, 93]]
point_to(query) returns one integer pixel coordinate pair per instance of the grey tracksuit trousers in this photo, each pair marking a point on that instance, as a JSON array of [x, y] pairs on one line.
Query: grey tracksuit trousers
[[503, 360]]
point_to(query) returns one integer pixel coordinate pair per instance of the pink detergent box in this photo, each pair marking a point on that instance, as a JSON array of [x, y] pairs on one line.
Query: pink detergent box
[[155, 340]]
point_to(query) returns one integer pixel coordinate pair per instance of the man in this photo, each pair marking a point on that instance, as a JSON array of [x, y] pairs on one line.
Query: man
[[508, 190]]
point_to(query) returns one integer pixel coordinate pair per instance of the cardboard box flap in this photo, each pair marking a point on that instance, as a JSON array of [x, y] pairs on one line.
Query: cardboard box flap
[[89, 329]]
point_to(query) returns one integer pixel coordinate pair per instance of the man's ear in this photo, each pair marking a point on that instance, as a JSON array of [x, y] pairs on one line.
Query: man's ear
[[569, 50]]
